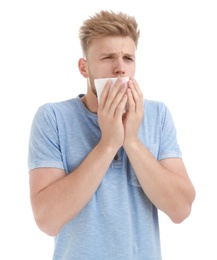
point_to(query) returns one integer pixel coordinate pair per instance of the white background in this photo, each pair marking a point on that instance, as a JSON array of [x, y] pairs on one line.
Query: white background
[[176, 63]]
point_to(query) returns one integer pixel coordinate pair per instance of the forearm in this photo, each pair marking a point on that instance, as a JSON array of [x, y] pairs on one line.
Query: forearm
[[63, 199], [167, 189]]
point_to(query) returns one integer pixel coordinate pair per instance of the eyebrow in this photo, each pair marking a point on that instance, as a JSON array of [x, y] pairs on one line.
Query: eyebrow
[[115, 54]]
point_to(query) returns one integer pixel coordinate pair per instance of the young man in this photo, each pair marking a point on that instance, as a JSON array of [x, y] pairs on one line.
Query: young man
[[98, 175]]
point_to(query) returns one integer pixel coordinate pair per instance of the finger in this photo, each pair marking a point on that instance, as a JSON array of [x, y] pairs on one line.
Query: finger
[[131, 102], [136, 94], [118, 99], [120, 109], [137, 88], [104, 94], [113, 93]]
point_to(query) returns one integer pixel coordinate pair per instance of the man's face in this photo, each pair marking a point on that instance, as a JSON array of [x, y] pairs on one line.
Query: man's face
[[110, 57]]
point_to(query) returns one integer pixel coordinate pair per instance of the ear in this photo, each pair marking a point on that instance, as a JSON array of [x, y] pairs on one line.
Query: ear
[[82, 67]]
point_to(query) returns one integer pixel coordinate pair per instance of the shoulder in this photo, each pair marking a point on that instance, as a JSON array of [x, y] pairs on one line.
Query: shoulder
[[157, 111], [54, 106], [155, 106], [57, 108]]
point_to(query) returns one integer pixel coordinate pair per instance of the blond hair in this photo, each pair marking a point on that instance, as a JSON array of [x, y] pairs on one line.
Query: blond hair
[[107, 23]]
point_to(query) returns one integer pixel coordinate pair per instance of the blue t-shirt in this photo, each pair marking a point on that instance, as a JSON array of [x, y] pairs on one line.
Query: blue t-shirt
[[119, 222]]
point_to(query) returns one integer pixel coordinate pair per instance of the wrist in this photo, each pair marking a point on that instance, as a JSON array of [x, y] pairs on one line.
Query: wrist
[[108, 148], [131, 144]]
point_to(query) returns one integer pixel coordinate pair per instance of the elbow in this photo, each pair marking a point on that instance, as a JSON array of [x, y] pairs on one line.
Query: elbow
[[49, 231], [180, 213], [178, 217], [43, 220], [48, 222], [46, 226]]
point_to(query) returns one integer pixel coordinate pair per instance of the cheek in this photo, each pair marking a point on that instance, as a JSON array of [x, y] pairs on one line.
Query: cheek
[[131, 70], [91, 84], [99, 69]]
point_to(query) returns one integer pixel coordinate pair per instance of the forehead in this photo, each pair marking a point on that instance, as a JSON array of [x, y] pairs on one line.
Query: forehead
[[112, 44]]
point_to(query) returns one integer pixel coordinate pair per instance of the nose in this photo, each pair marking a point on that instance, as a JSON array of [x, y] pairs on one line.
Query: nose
[[119, 68]]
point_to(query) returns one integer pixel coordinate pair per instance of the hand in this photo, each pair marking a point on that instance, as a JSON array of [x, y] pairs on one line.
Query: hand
[[110, 112], [134, 116]]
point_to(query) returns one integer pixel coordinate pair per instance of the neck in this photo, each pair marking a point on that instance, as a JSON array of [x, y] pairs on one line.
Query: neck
[[90, 101]]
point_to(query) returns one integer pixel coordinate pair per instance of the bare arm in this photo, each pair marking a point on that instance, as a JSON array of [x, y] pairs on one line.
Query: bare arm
[[56, 198], [166, 183]]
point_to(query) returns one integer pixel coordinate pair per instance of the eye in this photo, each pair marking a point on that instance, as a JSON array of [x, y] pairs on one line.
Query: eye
[[128, 58], [107, 57]]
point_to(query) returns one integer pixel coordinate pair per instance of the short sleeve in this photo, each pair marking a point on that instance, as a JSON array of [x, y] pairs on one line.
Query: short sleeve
[[169, 145], [44, 148]]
